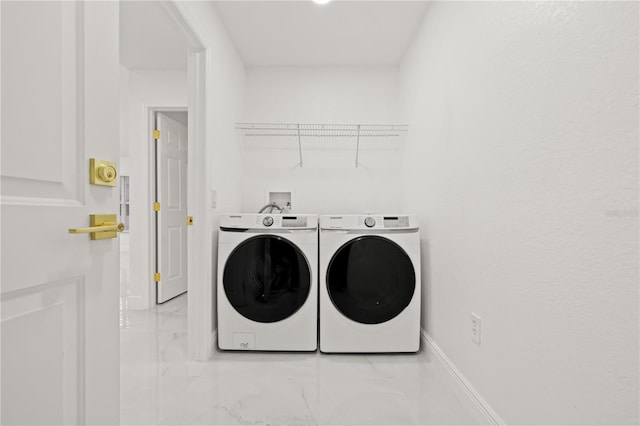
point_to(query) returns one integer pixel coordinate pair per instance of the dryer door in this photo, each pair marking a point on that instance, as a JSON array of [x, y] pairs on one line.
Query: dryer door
[[371, 279], [266, 278]]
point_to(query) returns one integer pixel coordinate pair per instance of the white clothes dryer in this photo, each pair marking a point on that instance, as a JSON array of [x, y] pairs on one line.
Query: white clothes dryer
[[267, 282], [369, 283]]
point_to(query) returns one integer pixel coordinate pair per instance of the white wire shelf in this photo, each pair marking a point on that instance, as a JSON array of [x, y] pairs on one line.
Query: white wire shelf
[[310, 133]]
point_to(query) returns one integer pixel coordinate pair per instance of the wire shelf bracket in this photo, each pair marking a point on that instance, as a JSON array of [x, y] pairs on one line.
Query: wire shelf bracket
[[300, 146], [358, 145]]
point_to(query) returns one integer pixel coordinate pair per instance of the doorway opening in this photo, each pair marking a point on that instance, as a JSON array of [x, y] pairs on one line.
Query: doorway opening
[[163, 69], [169, 170]]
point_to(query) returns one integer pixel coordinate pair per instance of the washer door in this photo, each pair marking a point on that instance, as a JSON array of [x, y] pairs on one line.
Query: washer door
[[266, 278], [371, 279]]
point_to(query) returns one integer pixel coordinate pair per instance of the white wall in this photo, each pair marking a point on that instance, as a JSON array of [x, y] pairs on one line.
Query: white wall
[[140, 91], [522, 161], [328, 182]]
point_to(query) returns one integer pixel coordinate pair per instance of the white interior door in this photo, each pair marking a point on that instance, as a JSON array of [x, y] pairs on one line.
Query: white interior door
[[59, 295], [171, 178]]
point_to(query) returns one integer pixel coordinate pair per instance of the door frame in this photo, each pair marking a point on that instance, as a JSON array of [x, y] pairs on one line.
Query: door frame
[[199, 236]]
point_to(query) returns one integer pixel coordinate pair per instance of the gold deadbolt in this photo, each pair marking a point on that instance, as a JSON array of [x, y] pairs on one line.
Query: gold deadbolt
[[106, 173], [102, 172], [103, 226]]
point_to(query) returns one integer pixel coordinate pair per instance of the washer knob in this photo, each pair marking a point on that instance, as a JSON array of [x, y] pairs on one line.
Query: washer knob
[[267, 221], [369, 222]]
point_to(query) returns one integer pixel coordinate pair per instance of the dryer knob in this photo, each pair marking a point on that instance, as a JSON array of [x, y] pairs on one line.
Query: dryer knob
[[267, 221], [369, 222]]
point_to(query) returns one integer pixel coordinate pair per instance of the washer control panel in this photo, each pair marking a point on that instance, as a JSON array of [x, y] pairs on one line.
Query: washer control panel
[[396, 222], [268, 221], [294, 221], [284, 221]]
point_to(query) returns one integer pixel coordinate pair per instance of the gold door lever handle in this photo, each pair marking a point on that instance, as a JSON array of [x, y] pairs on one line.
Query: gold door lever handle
[[103, 226]]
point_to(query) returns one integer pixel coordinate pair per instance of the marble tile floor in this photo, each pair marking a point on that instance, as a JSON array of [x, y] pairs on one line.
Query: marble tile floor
[[160, 386]]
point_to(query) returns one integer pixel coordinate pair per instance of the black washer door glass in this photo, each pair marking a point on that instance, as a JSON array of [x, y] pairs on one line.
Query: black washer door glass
[[371, 279], [266, 278]]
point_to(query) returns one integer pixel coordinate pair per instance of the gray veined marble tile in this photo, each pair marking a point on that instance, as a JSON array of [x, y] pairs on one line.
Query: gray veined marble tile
[[160, 386]]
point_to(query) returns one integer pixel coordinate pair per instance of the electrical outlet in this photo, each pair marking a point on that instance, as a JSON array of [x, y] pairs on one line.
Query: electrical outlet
[[476, 328]]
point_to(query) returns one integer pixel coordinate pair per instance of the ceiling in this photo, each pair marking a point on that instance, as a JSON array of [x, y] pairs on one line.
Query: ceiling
[[149, 38], [341, 33], [278, 33]]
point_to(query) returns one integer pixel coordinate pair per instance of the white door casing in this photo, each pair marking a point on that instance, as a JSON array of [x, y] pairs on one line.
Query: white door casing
[[59, 292], [171, 179]]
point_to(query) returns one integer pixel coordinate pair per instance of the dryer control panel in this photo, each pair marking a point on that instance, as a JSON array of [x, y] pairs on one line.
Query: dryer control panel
[[369, 222]]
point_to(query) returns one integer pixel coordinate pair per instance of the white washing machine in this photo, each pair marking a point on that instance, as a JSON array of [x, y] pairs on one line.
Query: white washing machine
[[369, 283], [267, 289]]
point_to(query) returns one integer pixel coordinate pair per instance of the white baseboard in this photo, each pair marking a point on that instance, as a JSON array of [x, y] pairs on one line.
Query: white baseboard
[[477, 403]]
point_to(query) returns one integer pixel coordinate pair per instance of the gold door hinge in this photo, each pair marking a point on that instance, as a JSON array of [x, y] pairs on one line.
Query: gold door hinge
[[156, 206], [156, 277], [190, 220], [156, 134]]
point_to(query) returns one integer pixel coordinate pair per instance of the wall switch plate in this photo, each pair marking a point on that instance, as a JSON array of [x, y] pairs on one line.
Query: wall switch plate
[[214, 198], [476, 328]]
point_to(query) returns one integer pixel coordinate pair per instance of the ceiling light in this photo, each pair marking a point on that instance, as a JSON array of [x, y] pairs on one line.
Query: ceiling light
[[321, 1]]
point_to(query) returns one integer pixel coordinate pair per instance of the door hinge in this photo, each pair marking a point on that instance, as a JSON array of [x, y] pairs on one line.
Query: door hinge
[[156, 134], [156, 206], [156, 277], [190, 220]]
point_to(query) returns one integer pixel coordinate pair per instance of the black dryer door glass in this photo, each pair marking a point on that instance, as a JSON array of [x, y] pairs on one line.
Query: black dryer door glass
[[266, 278], [371, 279]]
